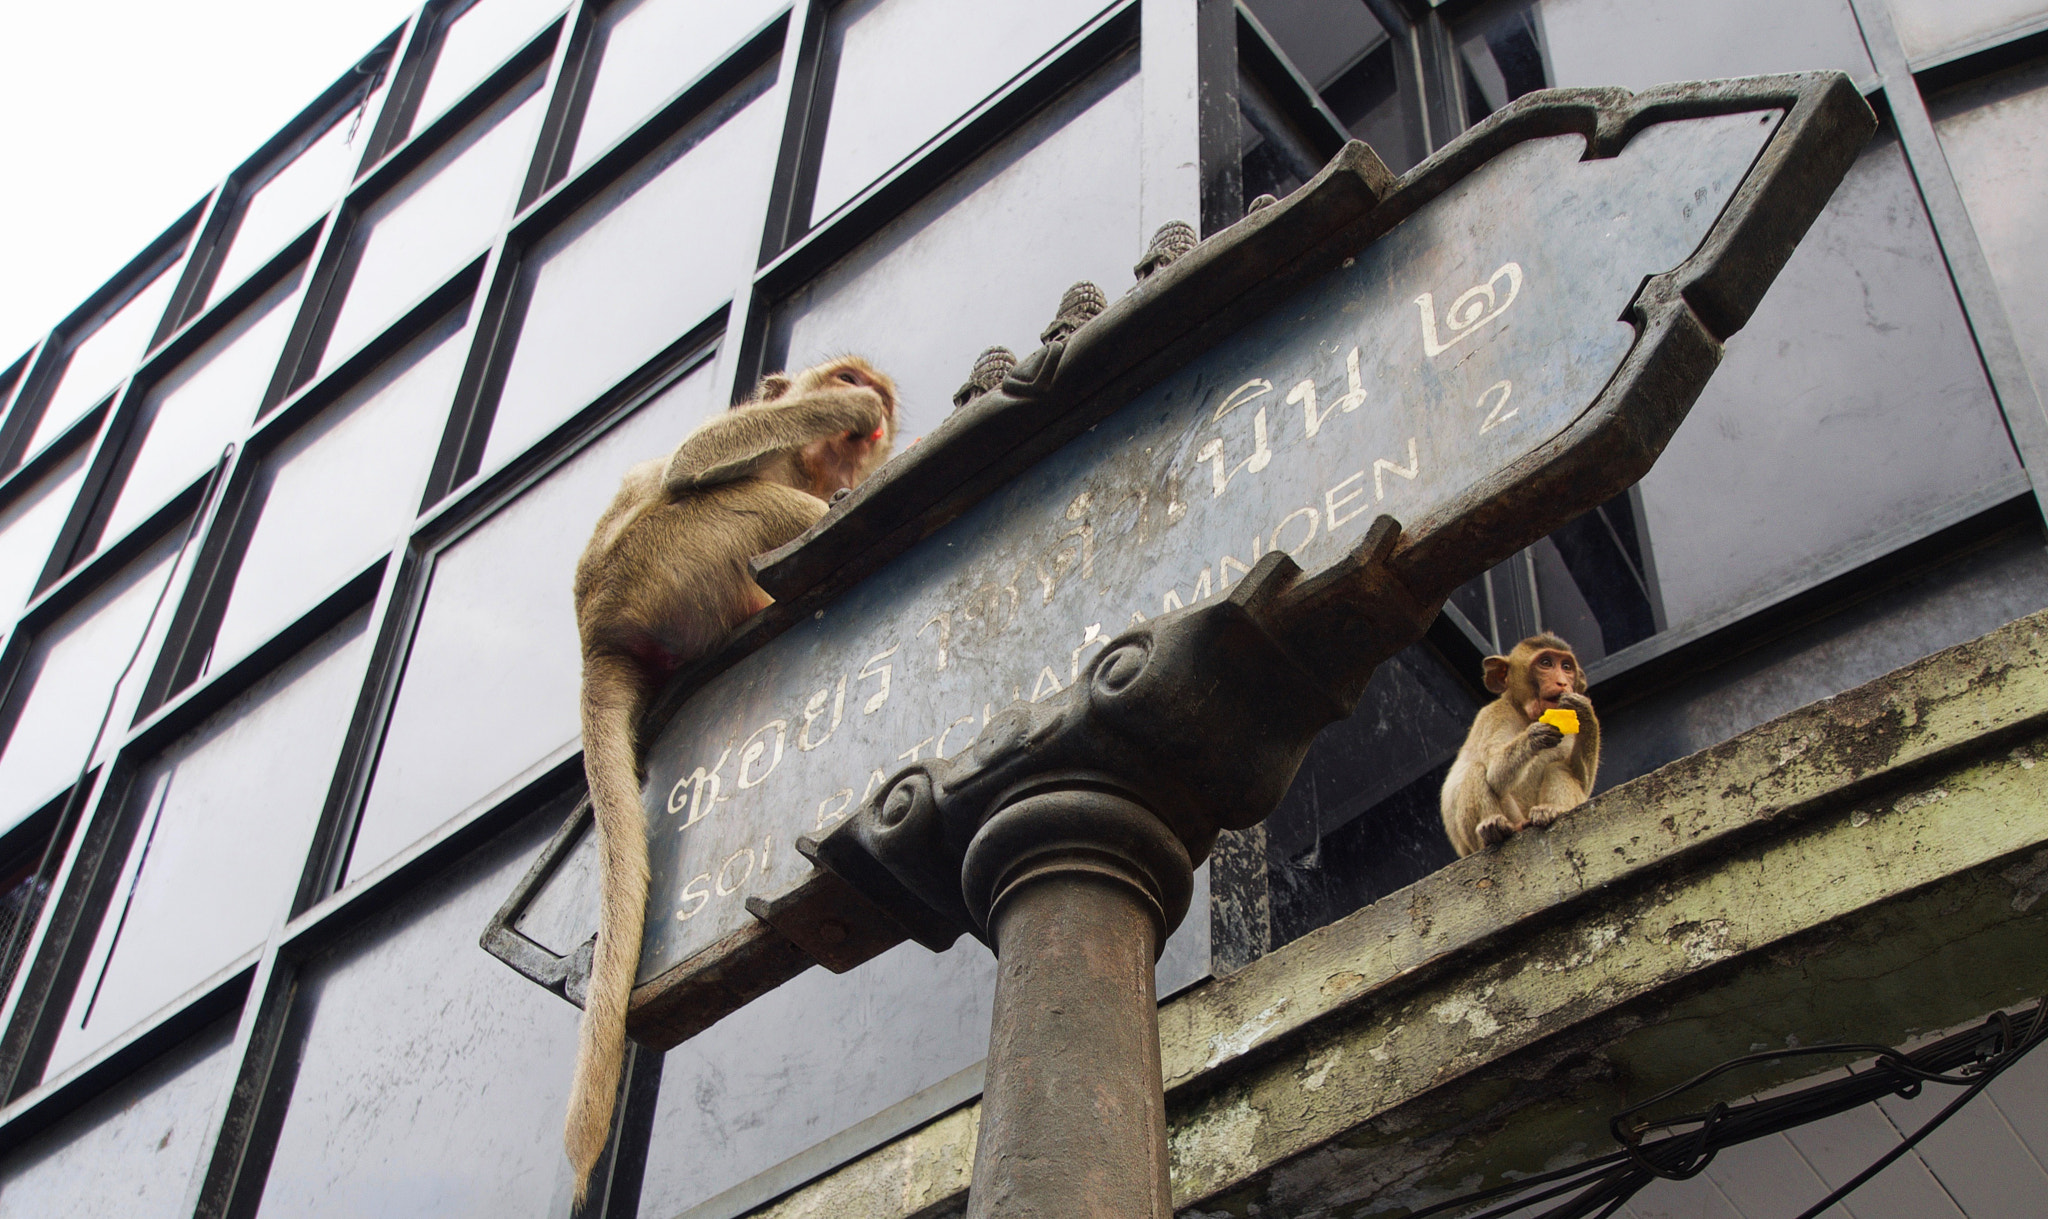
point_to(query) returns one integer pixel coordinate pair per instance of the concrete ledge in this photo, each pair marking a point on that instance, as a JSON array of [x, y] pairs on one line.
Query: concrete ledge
[[1865, 868]]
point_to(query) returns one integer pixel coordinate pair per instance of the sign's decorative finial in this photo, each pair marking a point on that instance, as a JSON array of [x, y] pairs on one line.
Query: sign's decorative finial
[[1078, 304], [1174, 238], [990, 367]]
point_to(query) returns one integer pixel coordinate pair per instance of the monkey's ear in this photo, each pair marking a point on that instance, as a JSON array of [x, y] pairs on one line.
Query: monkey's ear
[[772, 386], [1578, 679], [1496, 668]]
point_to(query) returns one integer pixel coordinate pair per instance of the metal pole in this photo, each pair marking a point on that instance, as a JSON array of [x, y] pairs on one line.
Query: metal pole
[[1083, 888]]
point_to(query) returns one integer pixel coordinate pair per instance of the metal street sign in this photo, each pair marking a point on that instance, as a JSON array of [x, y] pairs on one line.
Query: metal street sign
[[1481, 350]]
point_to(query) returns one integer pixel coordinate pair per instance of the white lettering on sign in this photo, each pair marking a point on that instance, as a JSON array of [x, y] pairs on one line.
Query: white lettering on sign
[[1350, 400], [1494, 418], [1383, 466], [1473, 308], [698, 782]]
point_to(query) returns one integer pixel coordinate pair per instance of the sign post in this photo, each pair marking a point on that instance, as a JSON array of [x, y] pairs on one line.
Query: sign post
[[1015, 685]]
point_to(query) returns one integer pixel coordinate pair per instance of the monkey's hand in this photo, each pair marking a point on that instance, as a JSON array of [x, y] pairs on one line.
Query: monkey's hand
[[1544, 815], [1495, 830], [1578, 703], [735, 444], [1542, 736]]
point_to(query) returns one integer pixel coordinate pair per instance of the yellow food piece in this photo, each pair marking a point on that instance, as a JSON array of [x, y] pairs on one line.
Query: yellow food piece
[[1567, 721]]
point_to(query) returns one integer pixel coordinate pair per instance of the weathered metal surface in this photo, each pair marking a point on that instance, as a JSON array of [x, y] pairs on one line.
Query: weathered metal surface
[[1176, 496], [1505, 338], [1073, 1119], [1868, 868]]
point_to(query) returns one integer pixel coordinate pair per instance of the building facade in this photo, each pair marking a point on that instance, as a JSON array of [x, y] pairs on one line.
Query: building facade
[[291, 505]]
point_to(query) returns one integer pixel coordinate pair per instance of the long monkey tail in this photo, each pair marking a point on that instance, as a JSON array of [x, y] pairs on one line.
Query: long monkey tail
[[612, 697]]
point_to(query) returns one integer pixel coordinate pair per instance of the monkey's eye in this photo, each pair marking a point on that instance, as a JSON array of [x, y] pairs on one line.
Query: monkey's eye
[[849, 376]]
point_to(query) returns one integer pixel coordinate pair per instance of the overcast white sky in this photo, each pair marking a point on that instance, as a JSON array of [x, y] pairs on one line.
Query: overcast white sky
[[115, 117]]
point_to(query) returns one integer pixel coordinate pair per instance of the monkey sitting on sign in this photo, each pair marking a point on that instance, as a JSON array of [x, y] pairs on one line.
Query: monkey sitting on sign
[[663, 581], [1532, 752]]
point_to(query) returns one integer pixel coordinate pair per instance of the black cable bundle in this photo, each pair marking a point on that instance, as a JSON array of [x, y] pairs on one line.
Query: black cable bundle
[[1969, 1060]]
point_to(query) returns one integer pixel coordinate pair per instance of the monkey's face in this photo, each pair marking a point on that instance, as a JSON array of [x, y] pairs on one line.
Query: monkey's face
[[1552, 674], [846, 461], [1538, 673]]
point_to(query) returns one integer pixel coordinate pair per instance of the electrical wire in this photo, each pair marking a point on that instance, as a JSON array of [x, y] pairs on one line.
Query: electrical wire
[[1970, 1059]]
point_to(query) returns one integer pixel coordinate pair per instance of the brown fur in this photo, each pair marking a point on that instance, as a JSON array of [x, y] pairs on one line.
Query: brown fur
[[1513, 771], [663, 581]]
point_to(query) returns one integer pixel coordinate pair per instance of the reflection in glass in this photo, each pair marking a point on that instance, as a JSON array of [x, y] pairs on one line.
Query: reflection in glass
[[1940, 28], [1344, 53], [432, 1079], [484, 36], [337, 494], [1852, 404], [209, 399], [134, 1150], [1591, 582], [748, 1094], [636, 267], [104, 358], [28, 528], [1361, 818], [648, 50], [294, 197], [62, 691], [234, 801], [442, 215], [491, 682], [1055, 202], [907, 68], [1508, 47], [1995, 135], [1277, 157]]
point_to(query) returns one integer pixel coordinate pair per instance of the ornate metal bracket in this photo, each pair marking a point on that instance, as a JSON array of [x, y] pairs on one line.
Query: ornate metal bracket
[[1189, 724]]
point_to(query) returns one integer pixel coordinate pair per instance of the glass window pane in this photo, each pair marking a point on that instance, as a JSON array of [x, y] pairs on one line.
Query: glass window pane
[[433, 1079], [63, 688], [28, 528], [133, 1151], [445, 213], [1346, 55], [1851, 404], [752, 1091], [1932, 27], [1277, 157], [634, 269], [235, 801], [651, 48], [1509, 47], [207, 401], [484, 36], [104, 358], [294, 197], [908, 68], [491, 683], [1054, 203], [1361, 818], [338, 493], [1995, 135]]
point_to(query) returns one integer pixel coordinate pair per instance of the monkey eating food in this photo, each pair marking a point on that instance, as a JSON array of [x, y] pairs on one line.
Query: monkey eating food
[[1523, 764], [664, 581]]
